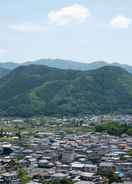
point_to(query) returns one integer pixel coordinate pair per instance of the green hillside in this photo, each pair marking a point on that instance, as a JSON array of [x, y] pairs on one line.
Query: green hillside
[[3, 72], [40, 90]]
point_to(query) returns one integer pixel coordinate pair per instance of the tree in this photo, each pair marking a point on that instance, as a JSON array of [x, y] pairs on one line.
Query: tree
[[113, 177], [63, 181], [130, 152], [1, 132], [23, 176]]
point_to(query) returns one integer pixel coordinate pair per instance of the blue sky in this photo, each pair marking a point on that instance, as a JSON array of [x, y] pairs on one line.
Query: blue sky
[[85, 30]]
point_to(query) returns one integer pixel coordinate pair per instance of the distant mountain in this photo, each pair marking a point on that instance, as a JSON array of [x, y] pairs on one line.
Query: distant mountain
[[124, 66], [66, 65], [72, 65], [9, 65], [41, 90]]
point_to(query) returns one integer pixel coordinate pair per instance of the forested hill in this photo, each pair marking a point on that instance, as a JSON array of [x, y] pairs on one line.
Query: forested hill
[[3, 72], [41, 90]]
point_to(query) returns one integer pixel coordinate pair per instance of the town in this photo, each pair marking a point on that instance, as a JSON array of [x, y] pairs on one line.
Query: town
[[42, 150]]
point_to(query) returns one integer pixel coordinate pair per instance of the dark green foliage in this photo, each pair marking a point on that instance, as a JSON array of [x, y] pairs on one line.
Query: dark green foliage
[[129, 131], [23, 176], [111, 128], [130, 152], [64, 181], [111, 176], [40, 90]]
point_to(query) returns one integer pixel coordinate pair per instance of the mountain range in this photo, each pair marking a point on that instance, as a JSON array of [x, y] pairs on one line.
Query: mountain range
[[41, 90], [64, 64]]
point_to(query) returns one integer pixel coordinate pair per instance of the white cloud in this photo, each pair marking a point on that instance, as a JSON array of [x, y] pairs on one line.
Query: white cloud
[[28, 27], [121, 21], [69, 14]]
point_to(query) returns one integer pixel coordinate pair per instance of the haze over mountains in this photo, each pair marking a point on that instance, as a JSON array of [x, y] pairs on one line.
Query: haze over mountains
[[65, 64], [41, 90]]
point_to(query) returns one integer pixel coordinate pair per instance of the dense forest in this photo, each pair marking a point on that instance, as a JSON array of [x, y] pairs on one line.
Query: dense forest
[[41, 90]]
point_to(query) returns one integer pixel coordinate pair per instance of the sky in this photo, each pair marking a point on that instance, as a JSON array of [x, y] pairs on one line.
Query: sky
[[83, 30]]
